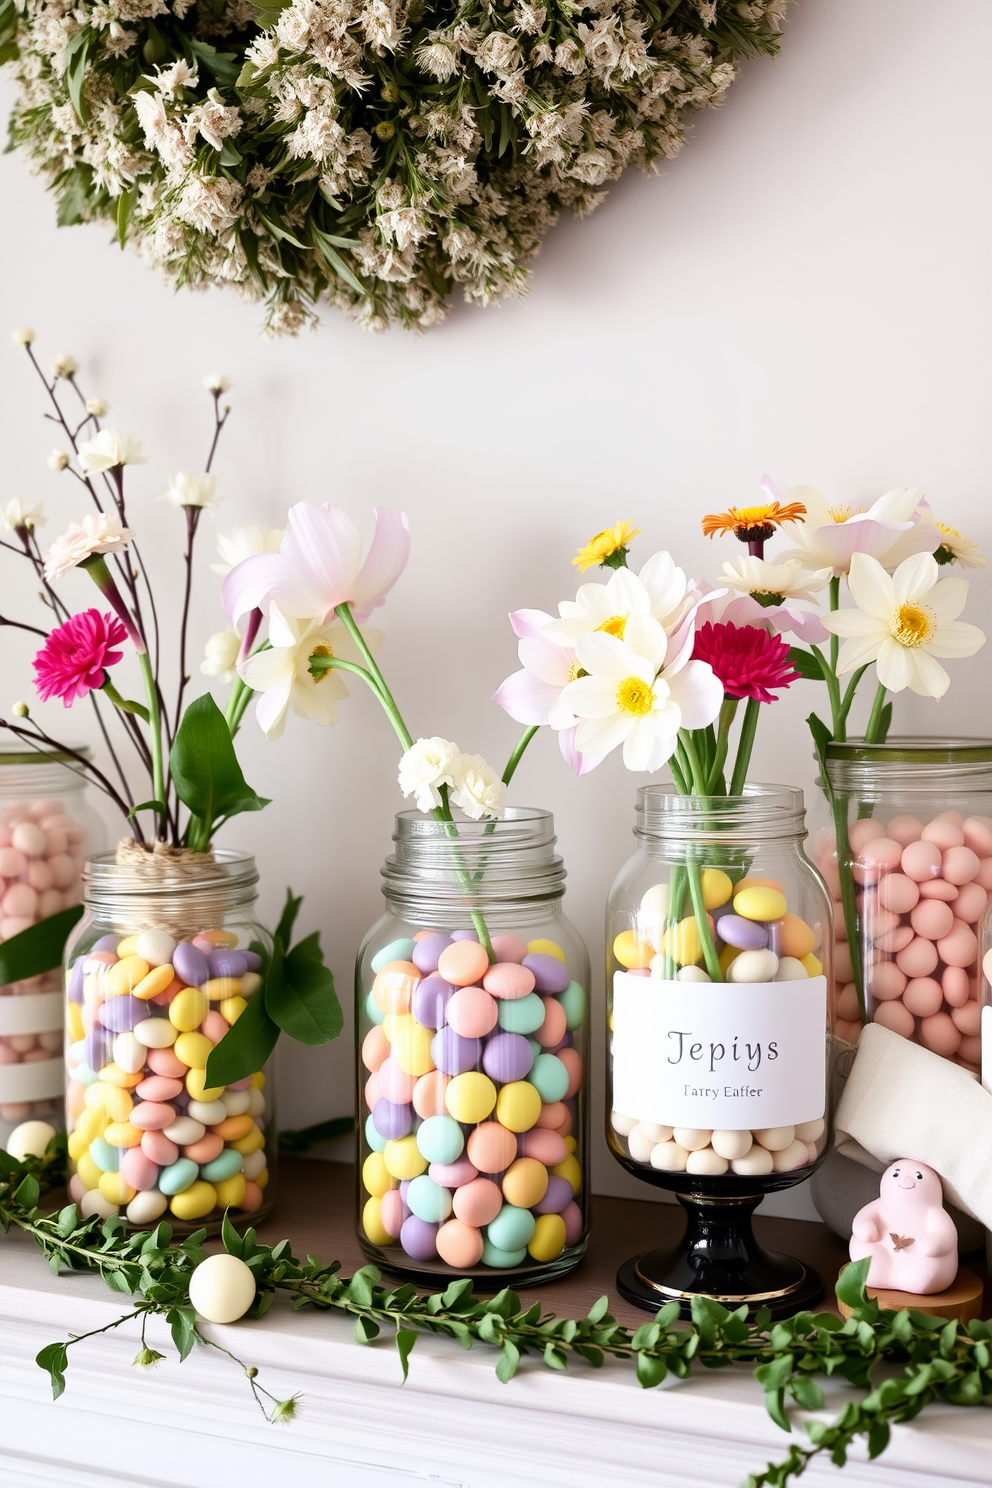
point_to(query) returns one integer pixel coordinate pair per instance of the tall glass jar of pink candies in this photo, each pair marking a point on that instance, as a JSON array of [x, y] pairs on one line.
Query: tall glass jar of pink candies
[[907, 852], [472, 1026], [165, 960], [46, 831]]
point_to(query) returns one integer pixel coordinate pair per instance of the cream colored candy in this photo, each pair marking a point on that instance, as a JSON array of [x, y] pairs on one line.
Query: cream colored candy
[[754, 1164], [156, 1033], [693, 1139], [791, 969], [643, 1137], [811, 1131], [731, 1144], [669, 1157], [753, 966], [775, 1138], [623, 1124], [707, 1162], [788, 1158]]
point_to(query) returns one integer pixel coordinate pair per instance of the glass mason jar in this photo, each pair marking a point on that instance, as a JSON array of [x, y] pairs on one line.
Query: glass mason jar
[[163, 962], [46, 831], [717, 1075], [910, 879], [473, 1150]]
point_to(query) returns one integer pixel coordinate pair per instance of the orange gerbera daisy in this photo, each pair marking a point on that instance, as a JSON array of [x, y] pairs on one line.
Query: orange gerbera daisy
[[753, 523]]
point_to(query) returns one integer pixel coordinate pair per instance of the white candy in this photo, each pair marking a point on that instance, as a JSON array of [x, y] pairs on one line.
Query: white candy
[[222, 1288], [250, 983], [811, 1131], [156, 1033], [669, 1157], [623, 1124], [775, 1138], [793, 1156], [691, 974], [791, 970], [156, 947], [256, 1104], [655, 901], [129, 1053], [93, 1202], [643, 1137], [692, 1138], [211, 1113], [146, 1207], [29, 1139], [753, 966], [236, 1103], [754, 1164], [184, 1131], [707, 1162], [731, 1144], [254, 1164]]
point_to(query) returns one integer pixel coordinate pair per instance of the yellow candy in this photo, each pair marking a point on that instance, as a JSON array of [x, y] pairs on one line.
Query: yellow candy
[[115, 1188], [728, 954], [760, 903], [127, 946], [393, 1023], [114, 1075], [682, 942], [250, 983], [155, 982], [110, 1098], [571, 1144], [222, 939], [195, 1201], [88, 1171], [258, 1080], [717, 887], [570, 1169], [125, 975], [219, 989], [231, 1192], [632, 953], [188, 1009], [412, 1050], [74, 1022], [196, 1084], [548, 1240], [77, 1145], [122, 1134], [525, 1182], [193, 1049], [813, 965], [545, 948], [403, 1158], [375, 1231], [91, 1122], [517, 1106], [470, 1098], [262, 1178], [376, 1177], [251, 1143], [232, 1008]]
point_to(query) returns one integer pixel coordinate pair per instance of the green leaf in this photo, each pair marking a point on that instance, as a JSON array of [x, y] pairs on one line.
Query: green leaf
[[76, 53], [157, 806], [74, 198], [225, 66], [287, 919], [125, 206], [230, 1238], [365, 1329], [650, 1371], [599, 1309], [508, 1362], [405, 1340], [850, 1288], [182, 1322], [54, 1358], [326, 247], [28, 1192], [229, 155], [300, 996], [245, 1047], [806, 1392], [205, 769], [37, 949], [805, 663]]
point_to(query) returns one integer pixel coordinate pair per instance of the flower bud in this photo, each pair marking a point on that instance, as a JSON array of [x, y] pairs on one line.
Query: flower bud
[[22, 336], [96, 407], [217, 382], [58, 460], [65, 365], [20, 710]]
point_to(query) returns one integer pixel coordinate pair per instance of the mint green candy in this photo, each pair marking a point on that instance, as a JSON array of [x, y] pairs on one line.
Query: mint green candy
[[104, 1155], [549, 1077], [428, 1200], [178, 1177], [374, 1139], [521, 1014], [441, 1140], [493, 1256], [373, 1011], [575, 1003], [512, 1228], [226, 1165], [396, 950]]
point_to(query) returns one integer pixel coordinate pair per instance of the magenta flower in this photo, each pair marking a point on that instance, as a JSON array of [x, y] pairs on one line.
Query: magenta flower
[[74, 658], [749, 662]]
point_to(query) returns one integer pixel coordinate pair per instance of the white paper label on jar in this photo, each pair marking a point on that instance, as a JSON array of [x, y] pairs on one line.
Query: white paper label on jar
[[986, 1028], [37, 1012], [42, 1079], [719, 1054]]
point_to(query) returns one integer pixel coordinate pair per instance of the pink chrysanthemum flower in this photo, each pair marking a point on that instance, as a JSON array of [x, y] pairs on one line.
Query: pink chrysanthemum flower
[[749, 662], [74, 658]]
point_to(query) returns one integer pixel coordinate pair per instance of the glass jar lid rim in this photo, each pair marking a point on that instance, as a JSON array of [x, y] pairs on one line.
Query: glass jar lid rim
[[12, 752], [103, 876], [913, 750]]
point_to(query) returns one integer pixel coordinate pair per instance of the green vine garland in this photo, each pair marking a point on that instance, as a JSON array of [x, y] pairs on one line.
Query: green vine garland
[[375, 154], [937, 1360]]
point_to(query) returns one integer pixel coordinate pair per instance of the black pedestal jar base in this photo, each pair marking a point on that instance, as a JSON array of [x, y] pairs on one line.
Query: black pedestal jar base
[[719, 1257]]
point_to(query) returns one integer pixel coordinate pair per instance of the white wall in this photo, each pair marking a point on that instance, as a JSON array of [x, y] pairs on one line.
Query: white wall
[[805, 290]]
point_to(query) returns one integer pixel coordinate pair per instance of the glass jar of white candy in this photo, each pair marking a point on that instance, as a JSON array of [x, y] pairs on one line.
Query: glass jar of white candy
[[164, 961], [46, 831], [719, 940], [472, 1026]]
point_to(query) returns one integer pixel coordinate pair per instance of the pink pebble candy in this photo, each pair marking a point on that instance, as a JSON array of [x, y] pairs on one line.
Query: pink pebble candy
[[896, 940], [547, 1146], [203, 944], [848, 1008], [887, 981], [49, 903], [150, 1116], [462, 963], [12, 863], [932, 919], [159, 1148], [21, 1043], [51, 1041], [896, 1018], [923, 996], [878, 921], [375, 1048], [30, 840], [971, 903], [428, 1094], [960, 865], [919, 958], [453, 1175], [921, 860], [898, 892], [394, 1084], [166, 1062], [880, 853], [843, 969], [158, 1088], [477, 1203], [970, 1051], [206, 1149], [39, 874], [572, 1215], [20, 899], [507, 979], [940, 1035], [393, 1212], [12, 925], [244, 1084], [904, 829], [76, 1188], [938, 888], [139, 1170], [555, 1025], [943, 833], [572, 1060], [552, 1116], [214, 1026], [984, 874], [63, 870], [471, 1012], [860, 833], [508, 948], [968, 1019], [956, 986], [372, 1091], [978, 835], [960, 947], [34, 1056]]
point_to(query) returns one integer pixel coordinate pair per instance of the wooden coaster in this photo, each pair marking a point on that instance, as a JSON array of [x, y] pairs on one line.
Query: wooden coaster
[[962, 1300]]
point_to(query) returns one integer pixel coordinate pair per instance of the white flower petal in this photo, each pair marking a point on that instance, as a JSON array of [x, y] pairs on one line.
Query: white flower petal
[[913, 579], [698, 693], [947, 599], [590, 697], [957, 638], [926, 676], [600, 735], [604, 656], [646, 638], [893, 665], [870, 586], [644, 748], [855, 623], [860, 650]]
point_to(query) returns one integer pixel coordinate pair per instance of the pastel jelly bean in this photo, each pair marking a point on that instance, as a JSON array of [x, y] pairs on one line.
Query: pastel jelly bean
[[471, 1097], [524, 1015], [518, 1105], [194, 1202], [417, 1237], [549, 972], [460, 1245], [472, 1013], [453, 1054], [525, 1183], [507, 1057], [463, 962], [179, 1176], [440, 1139], [430, 999], [492, 1147], [743, 933]]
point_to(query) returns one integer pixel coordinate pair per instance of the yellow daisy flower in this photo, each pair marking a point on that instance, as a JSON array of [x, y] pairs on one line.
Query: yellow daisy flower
[[955, 548], [610, 544], [753, 523]]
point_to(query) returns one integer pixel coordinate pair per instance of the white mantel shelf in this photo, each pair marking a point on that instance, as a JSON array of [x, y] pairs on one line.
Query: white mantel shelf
[[452, 1425]]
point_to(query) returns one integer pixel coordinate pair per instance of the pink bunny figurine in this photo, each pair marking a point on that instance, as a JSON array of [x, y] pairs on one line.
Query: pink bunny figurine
[[906, 1231]]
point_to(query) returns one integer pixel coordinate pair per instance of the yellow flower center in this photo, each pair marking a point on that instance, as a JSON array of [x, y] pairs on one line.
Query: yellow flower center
[[615, 626], [635, 697], [843, 513], [323, 650], [575, 671], [913, 625]]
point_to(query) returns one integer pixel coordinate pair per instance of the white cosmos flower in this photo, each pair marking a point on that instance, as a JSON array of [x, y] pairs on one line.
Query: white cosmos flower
[[282, 674], [903, 622], [774, 580], [191, 490], [893, 528], [956, 548], [478, 790], [245, 542], [631, 697], [220, 656], [659, 590], [14, 515], [99, 533], [771, 594], [109, 449], [425, 767]]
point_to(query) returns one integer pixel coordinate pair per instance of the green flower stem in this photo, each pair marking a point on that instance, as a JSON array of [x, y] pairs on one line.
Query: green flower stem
[[696, 770], [679, 775], [873, 733], [125, 705], [517, 755], [702, 921], [834, 640], [745, 745], [840, 730], [716, 785], [155, 727], [344, 614], [833, 688]]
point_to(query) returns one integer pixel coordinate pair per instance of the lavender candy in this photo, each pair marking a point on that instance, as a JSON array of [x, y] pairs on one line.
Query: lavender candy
[[427, 952], [430, 999], [453, 1054], [506, 1057], [74, 986], [550, 974], [743, 935], [464, 935], [107, 943], [557, 1198], [121, 1014], [190, 964], [98, 1045], [253, 959], [227, 963], [419, 1239], [392, 1121]]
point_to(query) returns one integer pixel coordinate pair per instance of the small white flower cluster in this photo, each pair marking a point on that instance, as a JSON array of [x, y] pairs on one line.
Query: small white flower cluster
[[434, 764]]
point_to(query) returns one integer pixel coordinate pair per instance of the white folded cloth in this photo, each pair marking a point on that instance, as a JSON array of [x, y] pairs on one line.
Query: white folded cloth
[[902, 1101]]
